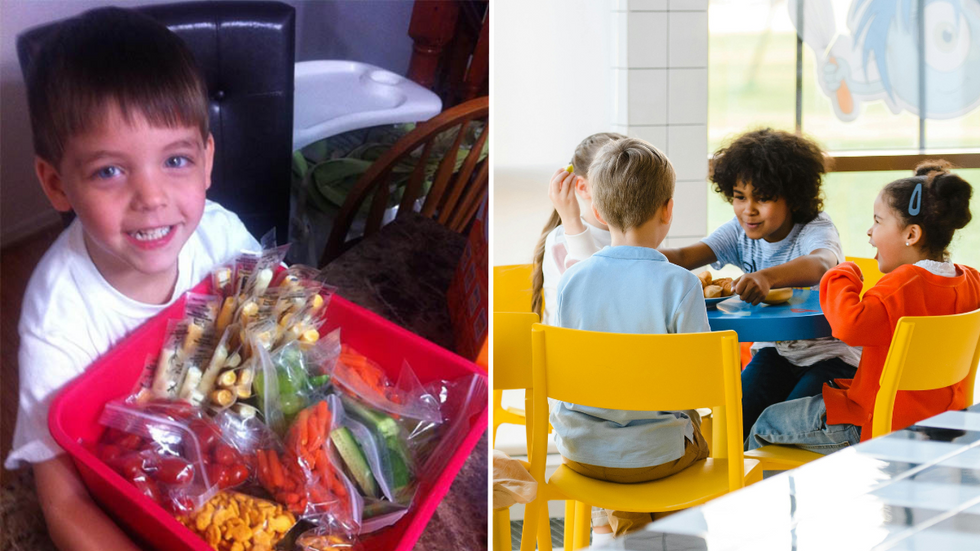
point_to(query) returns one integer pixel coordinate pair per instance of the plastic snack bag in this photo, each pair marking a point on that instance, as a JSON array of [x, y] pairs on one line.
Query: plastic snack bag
[[231, 521], [304, 475], [360, 377], [321, 359], [156, 449], [227, 355], [191, 339]]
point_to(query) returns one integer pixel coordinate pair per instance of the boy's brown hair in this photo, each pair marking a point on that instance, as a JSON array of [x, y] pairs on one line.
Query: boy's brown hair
[[631, 180], [111, 57]]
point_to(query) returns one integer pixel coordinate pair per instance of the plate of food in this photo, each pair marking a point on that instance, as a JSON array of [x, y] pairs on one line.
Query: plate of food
[[715, 290]]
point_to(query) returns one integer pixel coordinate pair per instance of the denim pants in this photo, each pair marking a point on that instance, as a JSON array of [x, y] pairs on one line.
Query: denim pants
[[801, 423], [770, 379]]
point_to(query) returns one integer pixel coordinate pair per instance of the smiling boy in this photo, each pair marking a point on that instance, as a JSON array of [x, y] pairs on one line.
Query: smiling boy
[[120, 120], [780, 237]]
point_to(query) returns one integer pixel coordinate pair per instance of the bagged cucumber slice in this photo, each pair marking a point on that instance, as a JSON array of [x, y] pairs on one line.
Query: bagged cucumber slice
[[356, 462]]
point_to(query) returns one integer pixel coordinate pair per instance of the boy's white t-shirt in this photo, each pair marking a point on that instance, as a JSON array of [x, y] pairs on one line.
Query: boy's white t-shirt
[[71, 316], [561, 251]]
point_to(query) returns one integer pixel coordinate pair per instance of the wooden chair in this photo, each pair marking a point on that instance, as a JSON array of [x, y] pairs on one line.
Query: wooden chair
[[455, 195]]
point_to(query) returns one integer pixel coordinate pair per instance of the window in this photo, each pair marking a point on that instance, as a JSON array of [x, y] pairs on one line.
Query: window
[[752, 74]]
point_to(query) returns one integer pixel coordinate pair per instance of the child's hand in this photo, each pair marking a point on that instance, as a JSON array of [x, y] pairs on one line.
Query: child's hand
[[561, 191], [752, 288]]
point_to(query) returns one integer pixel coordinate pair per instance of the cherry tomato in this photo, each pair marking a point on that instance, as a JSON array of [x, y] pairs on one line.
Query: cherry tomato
[[147, 487], [174, 471], [219, 475], [130, 442], [226, 455], [131, 466], [207, 435], [237, 474]]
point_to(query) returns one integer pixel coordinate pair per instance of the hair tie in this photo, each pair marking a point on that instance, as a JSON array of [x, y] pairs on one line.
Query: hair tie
[[915, 207]]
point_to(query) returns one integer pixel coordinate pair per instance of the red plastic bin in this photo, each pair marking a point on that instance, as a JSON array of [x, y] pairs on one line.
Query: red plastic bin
[[74, 415]]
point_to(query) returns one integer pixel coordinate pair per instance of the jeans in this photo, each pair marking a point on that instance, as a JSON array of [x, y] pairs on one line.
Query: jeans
[[801, 423], [770, 379]]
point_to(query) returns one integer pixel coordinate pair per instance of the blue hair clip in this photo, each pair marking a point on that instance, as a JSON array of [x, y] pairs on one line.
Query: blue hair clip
[[915, 206]]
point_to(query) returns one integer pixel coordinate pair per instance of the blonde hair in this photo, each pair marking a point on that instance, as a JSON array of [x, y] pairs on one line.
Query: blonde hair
[[631, 180], [581, 159]]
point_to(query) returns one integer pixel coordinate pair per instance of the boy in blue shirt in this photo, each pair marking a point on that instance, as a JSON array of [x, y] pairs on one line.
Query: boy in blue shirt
[[629, 287]]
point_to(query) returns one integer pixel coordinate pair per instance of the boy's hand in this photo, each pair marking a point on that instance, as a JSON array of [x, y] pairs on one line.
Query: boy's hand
[[752, 288], [561, 191]]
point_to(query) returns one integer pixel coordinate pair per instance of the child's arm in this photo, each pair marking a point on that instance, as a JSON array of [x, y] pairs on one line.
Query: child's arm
[[75, 522], [803, 271], [690, 257], [561, 191], [578, 239], [855, 320]]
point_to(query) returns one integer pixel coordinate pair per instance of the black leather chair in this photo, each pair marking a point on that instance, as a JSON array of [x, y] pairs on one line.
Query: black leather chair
[[246, 51]]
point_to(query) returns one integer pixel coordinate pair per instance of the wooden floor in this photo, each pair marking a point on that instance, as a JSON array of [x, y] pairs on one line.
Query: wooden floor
[[17, 262]]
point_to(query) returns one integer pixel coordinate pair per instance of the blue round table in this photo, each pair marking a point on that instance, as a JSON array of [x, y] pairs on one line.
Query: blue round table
[[798, 318]]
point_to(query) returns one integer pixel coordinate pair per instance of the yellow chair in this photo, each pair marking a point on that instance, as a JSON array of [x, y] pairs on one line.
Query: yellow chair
[[914, 362], [511, 293], [869, 269], [927, 353], [512, 288], [512, 371], [636, 372]]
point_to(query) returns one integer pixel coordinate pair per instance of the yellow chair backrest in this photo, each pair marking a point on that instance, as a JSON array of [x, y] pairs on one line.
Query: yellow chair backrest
[[511, 363], [512, 288], [927, 352], [641, 372], [869, 269], [512, 349]]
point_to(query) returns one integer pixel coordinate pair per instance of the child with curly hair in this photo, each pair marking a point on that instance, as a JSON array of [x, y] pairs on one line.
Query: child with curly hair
[[914, 222], [780, 237]]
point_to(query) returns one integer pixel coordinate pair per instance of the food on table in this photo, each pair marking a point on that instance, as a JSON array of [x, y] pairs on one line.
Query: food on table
[[727, 288], [715, 288], [778, 296]]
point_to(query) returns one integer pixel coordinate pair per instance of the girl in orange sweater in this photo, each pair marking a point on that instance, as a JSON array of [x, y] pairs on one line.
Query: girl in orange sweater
[[914, 222]]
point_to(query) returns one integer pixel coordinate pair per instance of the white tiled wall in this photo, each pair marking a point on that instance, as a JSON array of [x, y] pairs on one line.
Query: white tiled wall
[[660, 70]]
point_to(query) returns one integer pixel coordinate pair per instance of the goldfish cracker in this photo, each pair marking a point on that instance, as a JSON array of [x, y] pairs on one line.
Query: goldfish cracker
[[232, 521]]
